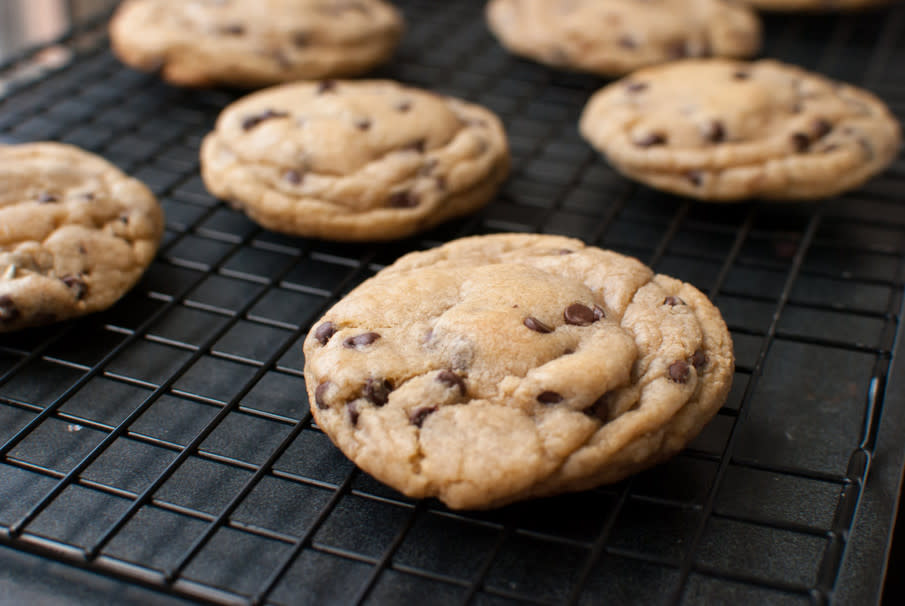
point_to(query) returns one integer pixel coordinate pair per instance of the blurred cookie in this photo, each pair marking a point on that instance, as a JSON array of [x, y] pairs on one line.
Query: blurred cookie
[[499, 368], [728, 130], [254, 42], [354, 160], [614, 37], [75, 233]]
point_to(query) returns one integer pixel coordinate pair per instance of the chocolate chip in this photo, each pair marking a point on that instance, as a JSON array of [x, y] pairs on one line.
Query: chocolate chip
[[549, 397], [301, 39], [673, 301], [800, 141], [249, 122], [354, 413], [325, 86], [695, 176], [88, 195], [600, 408], [699, 359], [378, 391], [740, 75], [76, 285], [628, 41], [280, 57], [234, 29], [536, 325], [580, 315], [320, 395], [416, 146], [363, 124], [324, 332], [124, 219], [650, 139], [417, 416], [679, 372], [636, 87], [362, 340], [294, 177], [403, 106], [403, 199], [714, 131], [564, 251], [677, 49], [821, 128], [440, 181], [45, 198], [451, 379], [8, 311]]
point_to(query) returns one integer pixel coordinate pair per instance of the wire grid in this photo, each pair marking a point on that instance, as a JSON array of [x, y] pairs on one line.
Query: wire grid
[[167, 441]]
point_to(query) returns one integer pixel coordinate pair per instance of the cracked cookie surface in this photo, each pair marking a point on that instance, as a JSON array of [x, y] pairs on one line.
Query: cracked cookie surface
[[498, 368], [354, 160], [75, 233], [717, 129], [254, 42], [614, 37]]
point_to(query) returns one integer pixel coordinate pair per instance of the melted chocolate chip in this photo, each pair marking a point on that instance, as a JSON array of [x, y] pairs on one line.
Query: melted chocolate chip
[[416, 146], [679, 372], [714, 131], [672, 301], [8, 311], [417, 416], [650, 139], [403, 106], [320, 395], [325, 86], [363, 124], [549, 397], [378, 391], [76, 285], [451, 379], [362, 340], [600, 408], [740, 75], [821, 128], [636, 87], [579, 315], [294, 177], [628, 41], [301, 39], [233, 29], [800, 141], [699, 359], [696, 177], [403, 199], [354, 413], [536, 325], [324, 332], [249, 122], [45, 198]]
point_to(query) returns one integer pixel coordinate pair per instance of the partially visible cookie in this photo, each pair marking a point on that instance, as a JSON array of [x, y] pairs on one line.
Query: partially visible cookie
[[505, 367], [354, 160], [254, 42], [813, 5], [728, 130], [614, 37], [75, 233]]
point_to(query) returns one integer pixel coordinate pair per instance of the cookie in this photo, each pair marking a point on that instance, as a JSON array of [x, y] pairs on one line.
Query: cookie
[[251, 43], [813, 5], [728, 130], [614, 37], [75, 233], [505, 367], [354, 160]]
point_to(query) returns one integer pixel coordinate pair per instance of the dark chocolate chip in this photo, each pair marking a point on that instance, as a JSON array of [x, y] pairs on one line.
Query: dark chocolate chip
[[362, 340], [234, 29], [417, 416], [536, 325], [741, 75], [800, 141], [249, 122], [714, 131], [699, 359], [672, 301], [124, 219], [320, 395], [821, 128], [628, 41], [600, 408], [76, 284], [294, 177], [679, 372], [451, 379], [403, 199], [403, 106], [324, 332], [45, 198], [354, 413], [301, 39], [696, 177], [650, 139], [636, 87], [549, 397], [579, 315], [88, 195], [564, 251], [363, 124], [416, 146], [677, 49], [8, 311], [325, 86], [378, 391]]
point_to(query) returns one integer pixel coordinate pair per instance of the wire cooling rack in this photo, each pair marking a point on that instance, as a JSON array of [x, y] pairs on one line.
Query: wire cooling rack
[[167, 443]]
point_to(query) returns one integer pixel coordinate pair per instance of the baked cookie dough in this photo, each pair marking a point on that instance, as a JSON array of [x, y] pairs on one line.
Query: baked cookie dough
[[614, 37], [251, 43], [354, 160], [505, 367], [727, 130], [75, 233]]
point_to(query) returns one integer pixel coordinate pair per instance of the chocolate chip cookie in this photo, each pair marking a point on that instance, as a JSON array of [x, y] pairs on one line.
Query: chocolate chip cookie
[[614, 37], [75, 233], [504, 367], [354, 160], [254, 42], [728, 130]]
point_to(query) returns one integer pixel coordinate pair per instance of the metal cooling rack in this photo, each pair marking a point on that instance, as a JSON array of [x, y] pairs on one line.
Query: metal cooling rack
[[167, 441]]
